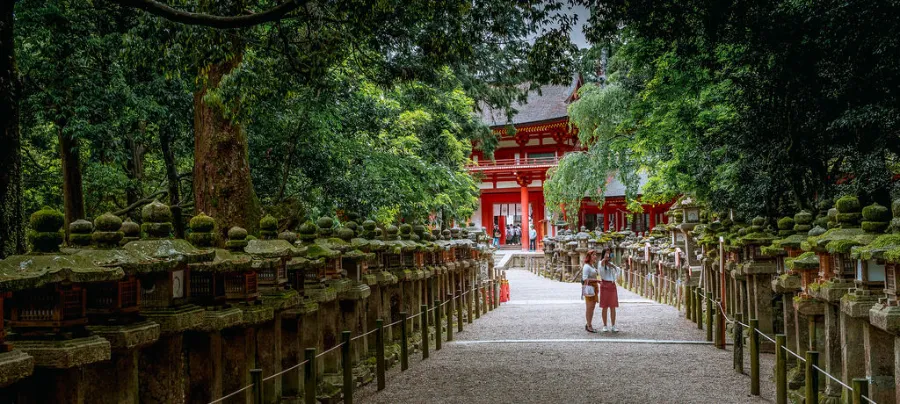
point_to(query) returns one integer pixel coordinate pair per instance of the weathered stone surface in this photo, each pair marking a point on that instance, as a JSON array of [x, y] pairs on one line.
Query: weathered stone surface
[[14, 366], [215, 320], [832, 291], [786, 283], [129, 336], [858, 302], [759, 267], [370, 279], [175, 320], [809, 307], [281, 299], [66, 353], [885, 317], [257, 314], [321, 295], [356, 292]]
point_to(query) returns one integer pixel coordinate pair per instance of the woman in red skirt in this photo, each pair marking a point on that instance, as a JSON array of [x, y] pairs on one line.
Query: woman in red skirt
[[609, 297]]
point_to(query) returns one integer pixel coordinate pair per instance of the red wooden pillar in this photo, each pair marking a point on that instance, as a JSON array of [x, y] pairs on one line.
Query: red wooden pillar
[[523, 184], [605, 217], [501, 221], [487, 217], [652, 218], [539, 223]]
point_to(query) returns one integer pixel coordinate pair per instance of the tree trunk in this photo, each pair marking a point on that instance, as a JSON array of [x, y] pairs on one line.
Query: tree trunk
[[174, 187], [12, 231], [73, 193], [222, 183], [135, 168]]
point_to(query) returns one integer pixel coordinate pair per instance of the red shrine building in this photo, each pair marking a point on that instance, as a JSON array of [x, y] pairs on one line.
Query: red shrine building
[[515, 177]]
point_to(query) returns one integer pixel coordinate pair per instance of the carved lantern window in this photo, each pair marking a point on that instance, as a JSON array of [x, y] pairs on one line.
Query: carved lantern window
[[452, 255], [753, 252], [207, 287], [375, 261], [354, 268], [843, 266], [391, 261], [420, 259], [52, 306], [826, 266], [242, 286], [793, 252], [333, 268], [870, 273], [273, 272], [890, 282], [166, 289], [117, 297], [409, 259]]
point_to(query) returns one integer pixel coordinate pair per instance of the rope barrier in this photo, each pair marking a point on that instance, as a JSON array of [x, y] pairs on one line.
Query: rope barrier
[[363, 335], [329, 350], [285, 371], [832, 377], [765, 336], [655, 277], [231, 395], [793, 353]]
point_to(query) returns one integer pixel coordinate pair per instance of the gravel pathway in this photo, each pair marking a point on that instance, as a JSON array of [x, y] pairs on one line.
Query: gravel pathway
[[534, 350]]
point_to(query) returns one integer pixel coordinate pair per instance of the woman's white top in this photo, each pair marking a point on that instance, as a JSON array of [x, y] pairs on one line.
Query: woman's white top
[[588, 272], [608, 273]]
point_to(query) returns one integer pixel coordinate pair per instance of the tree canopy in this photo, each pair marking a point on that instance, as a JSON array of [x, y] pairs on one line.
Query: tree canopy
[[764, 107], [240, 108]]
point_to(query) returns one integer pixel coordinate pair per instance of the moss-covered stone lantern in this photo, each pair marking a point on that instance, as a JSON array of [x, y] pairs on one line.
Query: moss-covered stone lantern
[[886, 314], [330, 248], [877, 260], [48, 286], [833, 246], [230, 275], [270, 255], [164, 273], [108, 302]]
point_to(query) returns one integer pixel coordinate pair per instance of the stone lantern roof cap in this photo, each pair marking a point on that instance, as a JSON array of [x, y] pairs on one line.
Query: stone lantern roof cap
[[30, 271], [806, 261]]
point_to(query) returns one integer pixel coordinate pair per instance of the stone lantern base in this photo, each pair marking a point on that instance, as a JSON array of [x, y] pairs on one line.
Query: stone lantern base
[[14, 366]]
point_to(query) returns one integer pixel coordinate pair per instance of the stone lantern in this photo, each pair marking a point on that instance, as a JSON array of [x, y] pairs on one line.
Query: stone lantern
[[833, 247], [877, 261], [270, 255], [164, 272], [393, 249], [45, 297], [116, 302], [230, 275]]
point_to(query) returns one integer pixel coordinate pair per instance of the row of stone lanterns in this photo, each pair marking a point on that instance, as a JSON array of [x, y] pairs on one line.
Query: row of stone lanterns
[[136, 308]]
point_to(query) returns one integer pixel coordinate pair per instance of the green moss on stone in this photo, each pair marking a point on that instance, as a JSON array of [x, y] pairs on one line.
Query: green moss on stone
[[81, 226], [157, 230], [108, 222], [847, 204], [876, 213], [107, 238], [202, 223], [875, 227], [47, 220], [79, 239], [268, 223], [156, 212], [785, 223], [45, 241]]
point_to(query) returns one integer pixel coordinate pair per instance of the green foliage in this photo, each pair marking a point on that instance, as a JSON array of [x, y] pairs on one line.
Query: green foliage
[[761, 107]]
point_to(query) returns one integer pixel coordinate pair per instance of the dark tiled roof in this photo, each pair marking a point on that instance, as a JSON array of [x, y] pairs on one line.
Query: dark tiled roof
[[550, 102]]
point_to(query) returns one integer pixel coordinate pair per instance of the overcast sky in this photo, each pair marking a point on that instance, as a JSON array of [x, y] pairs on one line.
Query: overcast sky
[[578, 31]]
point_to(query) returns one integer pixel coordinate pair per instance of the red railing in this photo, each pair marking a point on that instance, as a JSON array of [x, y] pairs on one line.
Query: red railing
[[539, 162]]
